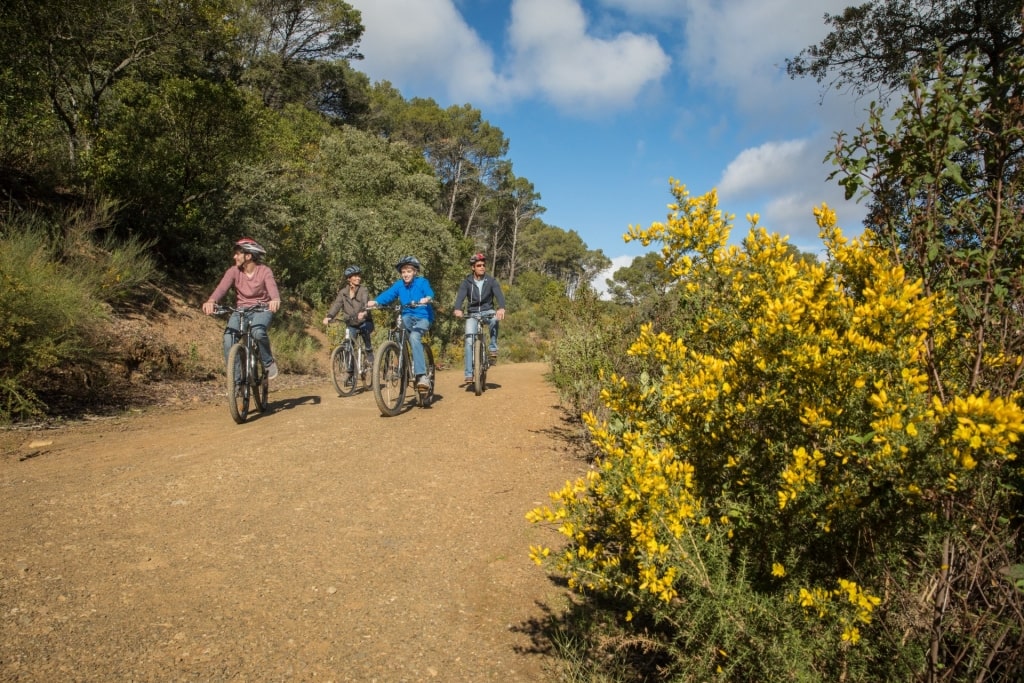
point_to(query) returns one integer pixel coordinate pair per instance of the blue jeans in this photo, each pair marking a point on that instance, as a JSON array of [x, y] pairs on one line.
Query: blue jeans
[[417, 327], [258, 324], [472, 324]]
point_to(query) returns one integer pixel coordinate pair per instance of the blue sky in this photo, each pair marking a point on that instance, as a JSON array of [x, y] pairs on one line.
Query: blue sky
[[604, 100]]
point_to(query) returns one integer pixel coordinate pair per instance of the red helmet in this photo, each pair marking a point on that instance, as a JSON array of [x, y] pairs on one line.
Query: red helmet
[[476, 258], [250, 246]]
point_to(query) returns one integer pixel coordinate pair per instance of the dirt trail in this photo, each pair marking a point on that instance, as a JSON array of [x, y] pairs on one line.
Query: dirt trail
[[318, 542]]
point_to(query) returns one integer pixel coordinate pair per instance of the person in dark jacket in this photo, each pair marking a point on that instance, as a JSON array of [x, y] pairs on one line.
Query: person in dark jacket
[[480, 292], [351, 302]]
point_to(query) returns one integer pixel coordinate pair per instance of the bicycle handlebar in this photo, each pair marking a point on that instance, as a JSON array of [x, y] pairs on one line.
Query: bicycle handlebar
[[220, 309]]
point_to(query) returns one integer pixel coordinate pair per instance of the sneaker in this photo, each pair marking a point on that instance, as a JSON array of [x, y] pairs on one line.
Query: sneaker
[[423, 384], [468, 379], [272, 370], [493, 355]]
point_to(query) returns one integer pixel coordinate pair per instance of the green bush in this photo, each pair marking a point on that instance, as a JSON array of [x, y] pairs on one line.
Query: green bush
[[782, 493], [48, 319]]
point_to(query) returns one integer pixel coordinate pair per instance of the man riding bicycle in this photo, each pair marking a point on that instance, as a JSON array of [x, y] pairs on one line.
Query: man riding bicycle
[[480, 290]]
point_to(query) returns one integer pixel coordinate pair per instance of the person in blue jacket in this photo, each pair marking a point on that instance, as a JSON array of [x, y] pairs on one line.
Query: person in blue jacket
[[412, 288]]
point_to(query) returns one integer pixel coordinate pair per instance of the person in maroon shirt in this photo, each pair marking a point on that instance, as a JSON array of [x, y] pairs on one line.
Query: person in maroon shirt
[[254, 284]]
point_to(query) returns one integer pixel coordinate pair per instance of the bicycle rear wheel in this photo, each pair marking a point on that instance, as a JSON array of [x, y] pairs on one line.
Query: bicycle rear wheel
[[260, 384], [389, 379], [342, 370], [238, 385], [479, 369]]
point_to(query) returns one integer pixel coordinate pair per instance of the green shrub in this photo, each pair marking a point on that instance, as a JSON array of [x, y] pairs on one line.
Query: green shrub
[[781, 492], [48, 320]]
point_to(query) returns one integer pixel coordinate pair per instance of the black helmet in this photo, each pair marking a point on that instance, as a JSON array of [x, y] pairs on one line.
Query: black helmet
[[353, 270], [250, 246], [479, 256], [408, 261]]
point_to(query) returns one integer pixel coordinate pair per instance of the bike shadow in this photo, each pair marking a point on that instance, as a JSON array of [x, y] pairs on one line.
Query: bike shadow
[[413, 403], [487, 386], [293, 402]]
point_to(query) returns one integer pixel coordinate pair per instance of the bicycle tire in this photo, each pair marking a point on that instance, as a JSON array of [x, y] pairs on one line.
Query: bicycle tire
[[238, 386], [425, 398], [479, 372], [390, 378], [260, 383], [341, 369]]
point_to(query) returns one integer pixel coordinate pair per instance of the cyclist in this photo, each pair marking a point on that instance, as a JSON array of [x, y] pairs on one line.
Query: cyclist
[[412, 288], [254, 284], [351, 300], [480, 290]]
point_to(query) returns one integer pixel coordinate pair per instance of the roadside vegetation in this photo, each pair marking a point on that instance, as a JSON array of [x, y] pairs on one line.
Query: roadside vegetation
[[809, 469]]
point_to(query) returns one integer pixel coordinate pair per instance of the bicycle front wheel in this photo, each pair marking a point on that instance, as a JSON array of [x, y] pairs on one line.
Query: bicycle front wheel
[[389, 379], [238, 384], [342, 373], [479, 373]]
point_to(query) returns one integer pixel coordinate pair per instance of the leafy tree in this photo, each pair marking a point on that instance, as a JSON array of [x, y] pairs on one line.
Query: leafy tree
[[519, 206], [877, 44], [949, 205], [560, 254], [73, 53], [292, 49], [165, 155], [641, 280]]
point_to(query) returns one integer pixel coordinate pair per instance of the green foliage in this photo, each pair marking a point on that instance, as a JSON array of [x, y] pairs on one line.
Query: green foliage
[[47, 318], [947, 196]]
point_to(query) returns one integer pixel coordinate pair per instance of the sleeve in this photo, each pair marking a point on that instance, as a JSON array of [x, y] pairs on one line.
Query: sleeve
[[388, 295], [461, 295], [272, 291], [498, 294], [336, 306], [224, 286]]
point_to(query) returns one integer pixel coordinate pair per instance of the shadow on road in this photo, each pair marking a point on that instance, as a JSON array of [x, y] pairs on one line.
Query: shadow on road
[[289, 403]]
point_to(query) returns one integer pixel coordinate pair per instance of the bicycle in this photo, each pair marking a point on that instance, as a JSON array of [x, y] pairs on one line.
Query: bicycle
[[348, 361], [247, 378], [392, 369], [481, 355]]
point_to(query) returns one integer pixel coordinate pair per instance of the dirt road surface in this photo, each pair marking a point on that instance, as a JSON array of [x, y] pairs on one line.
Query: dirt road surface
[[317, 542]]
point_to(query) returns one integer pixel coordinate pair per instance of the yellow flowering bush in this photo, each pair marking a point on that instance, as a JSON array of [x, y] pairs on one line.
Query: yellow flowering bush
[[788, 452]]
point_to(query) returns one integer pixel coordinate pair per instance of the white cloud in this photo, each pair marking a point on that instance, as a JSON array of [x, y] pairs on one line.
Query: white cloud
[[423, 46], [783, 182], [573, 69], [599, 283], [760, 167]]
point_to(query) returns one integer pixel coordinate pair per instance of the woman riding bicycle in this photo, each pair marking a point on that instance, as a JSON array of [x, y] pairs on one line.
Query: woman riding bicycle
[[351, 300], [412, 289], [480, 291], [254, 284]]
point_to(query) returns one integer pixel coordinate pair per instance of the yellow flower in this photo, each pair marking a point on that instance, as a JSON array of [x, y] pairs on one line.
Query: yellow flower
[[778, 570]]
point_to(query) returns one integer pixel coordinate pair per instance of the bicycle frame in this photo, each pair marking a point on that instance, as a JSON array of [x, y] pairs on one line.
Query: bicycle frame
[[246, 376], [348, 361], [481, 360], [393, 369]]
